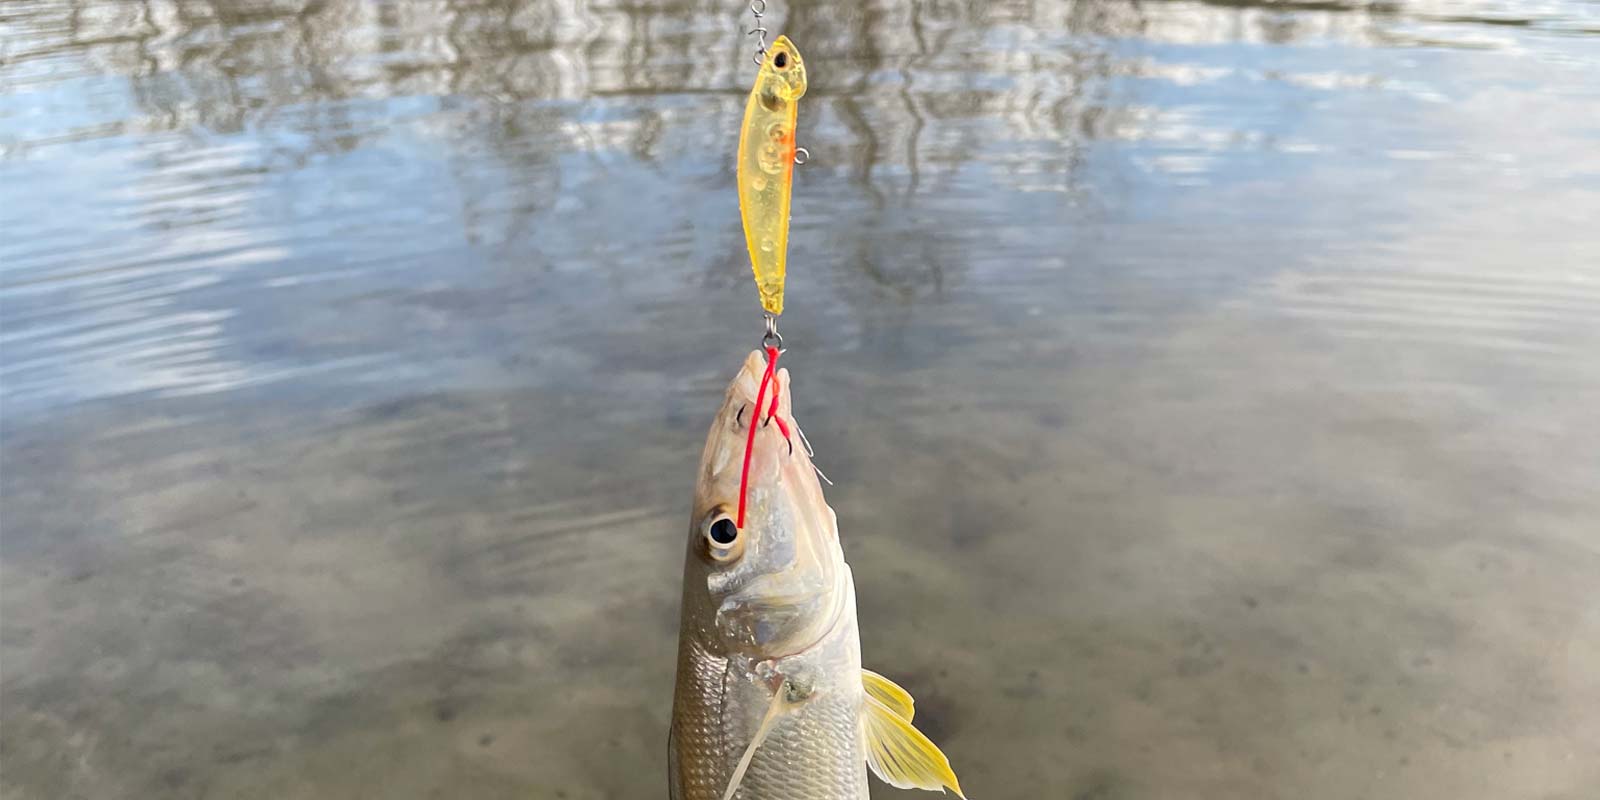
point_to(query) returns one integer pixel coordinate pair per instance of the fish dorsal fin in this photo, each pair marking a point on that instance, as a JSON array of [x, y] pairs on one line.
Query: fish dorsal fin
[[898, 753], [888, 693]]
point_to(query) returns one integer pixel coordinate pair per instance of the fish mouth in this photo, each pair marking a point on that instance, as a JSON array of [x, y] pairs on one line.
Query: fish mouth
[[745, 392], [747, 384]]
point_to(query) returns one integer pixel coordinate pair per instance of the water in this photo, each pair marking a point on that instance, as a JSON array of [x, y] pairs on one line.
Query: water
[[1210, 388]]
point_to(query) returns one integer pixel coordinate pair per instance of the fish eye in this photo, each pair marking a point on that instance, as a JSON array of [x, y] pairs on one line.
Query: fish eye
[[723, 539], [724, 532], [781, 60]]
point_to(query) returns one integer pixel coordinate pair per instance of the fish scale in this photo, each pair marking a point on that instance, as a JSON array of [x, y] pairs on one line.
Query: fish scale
[[699, 766]]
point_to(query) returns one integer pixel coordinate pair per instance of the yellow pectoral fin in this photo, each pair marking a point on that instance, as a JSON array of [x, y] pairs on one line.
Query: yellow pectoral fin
[[889, 693], [899, 754]]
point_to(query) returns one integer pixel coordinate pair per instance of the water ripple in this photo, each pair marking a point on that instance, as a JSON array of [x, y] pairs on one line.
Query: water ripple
[[354, 355]]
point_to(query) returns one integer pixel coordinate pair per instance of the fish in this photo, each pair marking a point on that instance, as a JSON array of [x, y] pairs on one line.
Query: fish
[[771, 701], [766, 166]]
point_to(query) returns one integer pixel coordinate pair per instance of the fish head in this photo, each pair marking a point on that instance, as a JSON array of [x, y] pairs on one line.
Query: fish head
[[775, 584], [783, 72]]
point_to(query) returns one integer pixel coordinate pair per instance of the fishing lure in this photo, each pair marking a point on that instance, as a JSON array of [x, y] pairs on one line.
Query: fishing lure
[[766, 166]]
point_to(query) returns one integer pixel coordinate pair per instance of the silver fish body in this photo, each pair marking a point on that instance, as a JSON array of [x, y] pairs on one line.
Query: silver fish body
[[785, 611], [814, 754], [769, 654]]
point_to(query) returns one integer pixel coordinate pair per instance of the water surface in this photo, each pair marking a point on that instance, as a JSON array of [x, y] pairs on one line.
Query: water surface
[[1210, 388]]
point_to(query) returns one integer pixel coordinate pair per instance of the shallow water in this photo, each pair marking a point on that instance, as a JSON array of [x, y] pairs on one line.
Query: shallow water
[[1210, 388]]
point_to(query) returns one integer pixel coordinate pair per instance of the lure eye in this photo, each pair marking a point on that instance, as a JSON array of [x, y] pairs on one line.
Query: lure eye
[[723, 540], [781, 60]]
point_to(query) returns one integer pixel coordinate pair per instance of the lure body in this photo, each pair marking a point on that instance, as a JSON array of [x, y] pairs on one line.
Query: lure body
[[766, 166]]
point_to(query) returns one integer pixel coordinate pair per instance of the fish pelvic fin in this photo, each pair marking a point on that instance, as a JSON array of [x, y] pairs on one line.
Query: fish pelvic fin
[[899, 754]]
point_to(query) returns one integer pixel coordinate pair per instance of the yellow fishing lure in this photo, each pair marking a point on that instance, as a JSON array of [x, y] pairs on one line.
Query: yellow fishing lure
[[766, 166]]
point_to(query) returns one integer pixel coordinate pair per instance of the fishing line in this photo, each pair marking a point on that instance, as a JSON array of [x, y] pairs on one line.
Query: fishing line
[[750, 439], [772, 416]]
